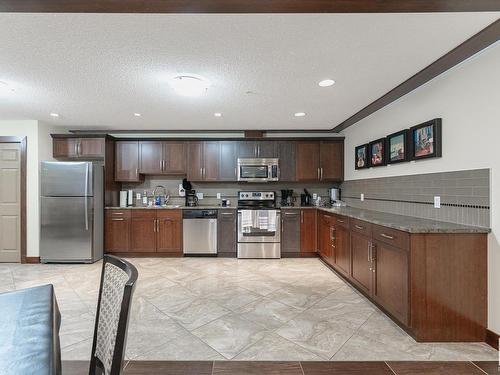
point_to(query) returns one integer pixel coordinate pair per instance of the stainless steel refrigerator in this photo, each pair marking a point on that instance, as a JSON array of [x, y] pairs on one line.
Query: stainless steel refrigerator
[[72, 199]]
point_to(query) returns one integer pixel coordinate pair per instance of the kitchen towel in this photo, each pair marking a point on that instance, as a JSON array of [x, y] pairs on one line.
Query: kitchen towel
[[246, 220]]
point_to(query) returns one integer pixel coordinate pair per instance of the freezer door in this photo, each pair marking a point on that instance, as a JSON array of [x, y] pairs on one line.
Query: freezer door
[[66, 179], [66, 229]]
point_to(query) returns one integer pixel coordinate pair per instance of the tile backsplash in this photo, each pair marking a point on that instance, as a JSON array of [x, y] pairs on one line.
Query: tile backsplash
[[228, 190], [465, 195]]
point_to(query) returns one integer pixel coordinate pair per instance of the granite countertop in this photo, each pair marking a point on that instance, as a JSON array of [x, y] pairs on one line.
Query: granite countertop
[[173, 207], [408, 224]]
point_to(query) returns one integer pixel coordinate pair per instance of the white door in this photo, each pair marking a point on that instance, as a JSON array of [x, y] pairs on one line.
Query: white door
[[10, 202]]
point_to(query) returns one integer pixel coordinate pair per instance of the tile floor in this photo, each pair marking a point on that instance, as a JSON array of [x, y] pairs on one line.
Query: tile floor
[[220, 309]]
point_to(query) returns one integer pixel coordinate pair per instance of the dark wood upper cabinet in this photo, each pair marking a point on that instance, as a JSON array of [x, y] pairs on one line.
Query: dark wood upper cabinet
[[331, 161], [290, 232], [195, 161], [203, 161], [151, 157], [226, 233], [228, 161], [174, 158], [287, 156], [308, 231], [247, 149], [267, 149], [127, 161], [307, 162], [78, 148], [169, 231]]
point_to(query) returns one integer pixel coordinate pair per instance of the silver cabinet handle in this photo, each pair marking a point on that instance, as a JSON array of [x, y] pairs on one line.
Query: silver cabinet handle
[[76, 148], [359, 227], [369, 252], [154, 225], [386, 236], [340, 221], [158, 225], [318, 173], [235, 172], [118, 219], [301, 217], [290, 214], [161, 165], [227, 213], [136, 172], [201, 172], [321, 174], [117, 213]]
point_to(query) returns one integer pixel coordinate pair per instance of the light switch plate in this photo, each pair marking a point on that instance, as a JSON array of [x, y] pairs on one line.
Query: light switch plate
[[315, 196], [199, 195], [218, 196], [362, 197], [437, 202]]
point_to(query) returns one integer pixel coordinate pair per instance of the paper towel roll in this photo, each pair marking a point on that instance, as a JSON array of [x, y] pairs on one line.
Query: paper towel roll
[[123, 198]]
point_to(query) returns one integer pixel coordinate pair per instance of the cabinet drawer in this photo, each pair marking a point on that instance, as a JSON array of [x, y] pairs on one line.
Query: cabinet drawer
[[169, 214], [325, 218], [391, 236], [342, 221], [227, 215], [361, 226], [145, 213], [125, 214]]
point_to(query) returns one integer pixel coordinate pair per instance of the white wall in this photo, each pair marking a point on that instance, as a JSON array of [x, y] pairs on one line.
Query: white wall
[[467, 98]]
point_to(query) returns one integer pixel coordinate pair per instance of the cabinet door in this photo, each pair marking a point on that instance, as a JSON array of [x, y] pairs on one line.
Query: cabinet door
[[210, 161], [332, 161], [150, 157], [361, 272], [308, 231], [227, 161], [174, 158], [307, 167], [391, 279], [267, 149], [64, 148], [143, 231], [116, 231], [226, 232], [247, 149], [290, 232], [91, 147], [325, 247], [342, 250], [127, 161], [286, 154], [169, 231], [195, 161]]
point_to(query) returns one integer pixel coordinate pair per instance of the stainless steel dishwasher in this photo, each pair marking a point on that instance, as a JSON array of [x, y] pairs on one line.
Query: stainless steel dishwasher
[[199, 232]]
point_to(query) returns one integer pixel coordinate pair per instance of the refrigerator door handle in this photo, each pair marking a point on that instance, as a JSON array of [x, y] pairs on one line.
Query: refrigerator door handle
[[86, 198]]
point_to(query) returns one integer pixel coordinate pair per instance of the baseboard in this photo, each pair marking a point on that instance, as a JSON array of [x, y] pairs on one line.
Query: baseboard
[[32, 260], [492, 339], [146, 255]]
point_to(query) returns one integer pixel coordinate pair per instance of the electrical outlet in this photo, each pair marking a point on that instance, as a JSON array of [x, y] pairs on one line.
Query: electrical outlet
[[362, 197], [218, 196], [437, 202], [199, 195], [315, 196]]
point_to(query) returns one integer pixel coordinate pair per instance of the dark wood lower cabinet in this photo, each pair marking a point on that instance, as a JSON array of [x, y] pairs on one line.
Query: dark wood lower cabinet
[[226, 233], [290, 233], [117, 231], [390, 279], [169, 231], [324, 236], [143, 231], [308, 231], [342, 250], [361, 273]]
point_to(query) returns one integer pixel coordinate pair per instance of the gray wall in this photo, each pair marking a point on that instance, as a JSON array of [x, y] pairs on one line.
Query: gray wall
[[465, 195]]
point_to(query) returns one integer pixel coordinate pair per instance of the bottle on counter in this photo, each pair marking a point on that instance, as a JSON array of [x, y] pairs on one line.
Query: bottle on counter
[[145, 199]]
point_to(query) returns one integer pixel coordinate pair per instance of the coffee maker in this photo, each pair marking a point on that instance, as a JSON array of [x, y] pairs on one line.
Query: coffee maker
[[191, 198]]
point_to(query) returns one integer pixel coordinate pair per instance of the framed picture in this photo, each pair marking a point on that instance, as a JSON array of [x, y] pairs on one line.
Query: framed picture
[[376, 152], [361, 157], [425, 140], [397, 147]]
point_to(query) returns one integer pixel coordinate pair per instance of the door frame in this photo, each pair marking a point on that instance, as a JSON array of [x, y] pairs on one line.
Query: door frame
[[23, 142]]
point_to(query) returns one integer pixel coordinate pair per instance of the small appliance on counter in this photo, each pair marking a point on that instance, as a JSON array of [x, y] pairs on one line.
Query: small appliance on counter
[[334, 194], [306, 199], [286, 198], [191, 198]]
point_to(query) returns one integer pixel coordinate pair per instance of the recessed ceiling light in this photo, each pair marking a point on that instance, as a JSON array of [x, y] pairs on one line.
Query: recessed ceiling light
[[218, 114], [137, 114], [300, 114], [326, 83], [189, 85], [53, 114]]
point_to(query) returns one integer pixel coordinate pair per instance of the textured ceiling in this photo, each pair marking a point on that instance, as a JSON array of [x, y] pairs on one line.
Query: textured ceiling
[[96, 70]]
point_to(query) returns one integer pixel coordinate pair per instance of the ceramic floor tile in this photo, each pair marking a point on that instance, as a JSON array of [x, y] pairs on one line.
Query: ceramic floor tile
[[300, 297], [79, 351], [276, 348], [197, 313], [267, 312], [230, 334]]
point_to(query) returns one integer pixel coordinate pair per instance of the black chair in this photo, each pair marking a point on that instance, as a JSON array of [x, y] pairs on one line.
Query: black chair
[[118, 279]]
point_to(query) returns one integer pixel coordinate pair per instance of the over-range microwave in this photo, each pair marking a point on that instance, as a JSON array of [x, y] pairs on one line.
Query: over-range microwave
[[258, 170]]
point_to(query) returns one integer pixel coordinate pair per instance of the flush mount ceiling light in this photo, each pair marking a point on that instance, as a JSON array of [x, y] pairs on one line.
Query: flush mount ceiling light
[[326, 83], [300, 114], [137, 114], [218, 114], [189, 85], [53, 114]]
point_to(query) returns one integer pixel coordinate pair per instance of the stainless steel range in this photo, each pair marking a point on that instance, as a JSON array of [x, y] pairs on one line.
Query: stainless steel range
[[259, 225]]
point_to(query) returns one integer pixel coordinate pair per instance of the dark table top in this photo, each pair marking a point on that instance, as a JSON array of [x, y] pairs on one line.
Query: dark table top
[[29, 332]]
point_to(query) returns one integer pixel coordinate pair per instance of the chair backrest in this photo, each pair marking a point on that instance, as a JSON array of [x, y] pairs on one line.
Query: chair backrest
[[118, 279]]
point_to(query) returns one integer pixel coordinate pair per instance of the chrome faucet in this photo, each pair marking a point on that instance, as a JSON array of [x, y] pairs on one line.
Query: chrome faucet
[[164, 193]]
